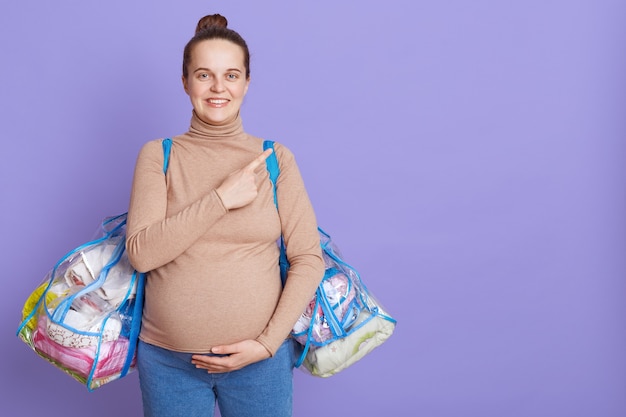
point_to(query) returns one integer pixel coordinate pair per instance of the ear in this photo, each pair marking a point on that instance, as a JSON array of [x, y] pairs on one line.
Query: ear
[[245, 91], [184, 79]]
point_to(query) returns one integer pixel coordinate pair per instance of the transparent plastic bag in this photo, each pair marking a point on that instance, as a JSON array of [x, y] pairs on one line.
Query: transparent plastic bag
[[343, 321], [85, 316]]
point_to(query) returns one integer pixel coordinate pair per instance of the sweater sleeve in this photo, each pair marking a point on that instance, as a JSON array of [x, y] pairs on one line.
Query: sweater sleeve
[[154, 239], [299, 228]]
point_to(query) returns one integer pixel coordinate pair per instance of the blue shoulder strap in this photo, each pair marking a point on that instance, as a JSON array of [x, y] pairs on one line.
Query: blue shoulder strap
[[274, 171], [272, 166], [141, 278], [167, 147]]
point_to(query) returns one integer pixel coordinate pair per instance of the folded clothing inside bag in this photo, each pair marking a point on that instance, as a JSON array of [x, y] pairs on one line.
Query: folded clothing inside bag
[[86, 268], [111, 357], [327, 360]]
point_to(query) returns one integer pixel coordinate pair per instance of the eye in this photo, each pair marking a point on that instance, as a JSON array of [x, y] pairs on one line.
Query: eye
[[232, 77], [203, 76]]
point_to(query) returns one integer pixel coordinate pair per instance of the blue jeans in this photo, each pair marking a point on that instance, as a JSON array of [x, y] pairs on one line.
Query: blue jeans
[[172, 387]]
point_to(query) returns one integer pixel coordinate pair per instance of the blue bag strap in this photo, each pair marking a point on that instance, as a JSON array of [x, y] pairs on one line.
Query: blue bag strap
[[167, 148], [272, 167], [136, 324], [274, 171], [141, 282]]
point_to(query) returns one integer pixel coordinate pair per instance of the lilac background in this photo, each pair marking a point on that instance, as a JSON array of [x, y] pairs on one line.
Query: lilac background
[[467, 156]]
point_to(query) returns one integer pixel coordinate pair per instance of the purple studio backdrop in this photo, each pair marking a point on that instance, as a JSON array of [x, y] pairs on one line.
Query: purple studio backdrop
[[467, 156]]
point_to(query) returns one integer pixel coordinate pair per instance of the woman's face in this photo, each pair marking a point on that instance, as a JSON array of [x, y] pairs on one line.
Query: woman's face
[[216, 82]]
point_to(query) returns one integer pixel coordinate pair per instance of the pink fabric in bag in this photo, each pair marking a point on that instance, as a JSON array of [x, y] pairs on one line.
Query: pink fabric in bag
[[111, 358]]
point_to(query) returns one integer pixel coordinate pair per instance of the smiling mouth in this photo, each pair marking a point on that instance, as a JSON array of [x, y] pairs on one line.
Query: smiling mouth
[[217, 102]]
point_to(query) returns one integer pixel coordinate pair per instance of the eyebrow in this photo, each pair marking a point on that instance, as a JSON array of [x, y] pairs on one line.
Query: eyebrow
[[208, 70]]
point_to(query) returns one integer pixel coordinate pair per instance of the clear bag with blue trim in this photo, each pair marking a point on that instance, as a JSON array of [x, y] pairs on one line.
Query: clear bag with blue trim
[[343, 321], [85, 317]]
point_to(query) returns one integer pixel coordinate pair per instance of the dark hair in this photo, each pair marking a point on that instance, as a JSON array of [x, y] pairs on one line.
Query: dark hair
[[214, 26]]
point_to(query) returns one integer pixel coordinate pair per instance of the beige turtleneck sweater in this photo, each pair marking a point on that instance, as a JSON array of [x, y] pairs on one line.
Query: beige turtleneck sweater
[[213, 275]]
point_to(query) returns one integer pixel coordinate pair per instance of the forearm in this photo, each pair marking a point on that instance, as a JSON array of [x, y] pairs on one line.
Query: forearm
[[155, 240]]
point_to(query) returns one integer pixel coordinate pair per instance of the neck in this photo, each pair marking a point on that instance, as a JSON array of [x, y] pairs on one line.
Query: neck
[[204, 130]]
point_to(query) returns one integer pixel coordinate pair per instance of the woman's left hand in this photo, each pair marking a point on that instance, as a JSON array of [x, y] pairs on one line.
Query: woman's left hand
[[238, 354]]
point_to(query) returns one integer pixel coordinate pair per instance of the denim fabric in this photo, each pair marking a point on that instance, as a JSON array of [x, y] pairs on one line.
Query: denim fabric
[[172, 387]]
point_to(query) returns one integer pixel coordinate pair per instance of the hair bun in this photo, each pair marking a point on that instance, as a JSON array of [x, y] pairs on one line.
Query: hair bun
[[211, 20]]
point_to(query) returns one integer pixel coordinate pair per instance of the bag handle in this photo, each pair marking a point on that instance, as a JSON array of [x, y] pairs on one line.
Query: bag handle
[[141, 278], [272, 166], [167, 148], [274, 171]]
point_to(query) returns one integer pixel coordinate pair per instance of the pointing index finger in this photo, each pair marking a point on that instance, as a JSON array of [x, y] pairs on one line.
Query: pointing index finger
[[260, 159]]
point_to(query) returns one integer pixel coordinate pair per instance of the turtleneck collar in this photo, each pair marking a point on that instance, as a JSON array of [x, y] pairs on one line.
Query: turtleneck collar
[[202, 130]]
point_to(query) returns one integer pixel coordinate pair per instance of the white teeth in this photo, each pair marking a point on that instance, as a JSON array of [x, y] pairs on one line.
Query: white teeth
[[217, 101]]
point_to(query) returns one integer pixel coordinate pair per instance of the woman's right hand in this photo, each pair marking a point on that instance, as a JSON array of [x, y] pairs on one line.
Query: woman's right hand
[[241, 187]]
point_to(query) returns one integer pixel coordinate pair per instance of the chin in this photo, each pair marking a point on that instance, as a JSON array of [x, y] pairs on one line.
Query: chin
[[216, 121], [221, 119]]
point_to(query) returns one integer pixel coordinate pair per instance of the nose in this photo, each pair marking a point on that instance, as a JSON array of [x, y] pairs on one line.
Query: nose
[[218, 85]]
